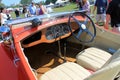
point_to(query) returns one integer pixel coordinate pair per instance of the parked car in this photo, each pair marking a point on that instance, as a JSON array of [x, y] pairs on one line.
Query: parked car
[[59, 46], [61, 3]]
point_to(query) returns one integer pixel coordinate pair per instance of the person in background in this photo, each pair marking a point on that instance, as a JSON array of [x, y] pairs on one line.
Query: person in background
[[8, 15], [0, 14], [101, 6], [3, 16], [80, 4], [86, 6], [24, 9], [25, 12], [17, 12], [113, 14], [4, 29], [32, 9], [77, 3], [42, 9], [109, 1]]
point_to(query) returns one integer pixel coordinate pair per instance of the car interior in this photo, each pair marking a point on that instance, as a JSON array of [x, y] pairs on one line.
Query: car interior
[[64, 52]]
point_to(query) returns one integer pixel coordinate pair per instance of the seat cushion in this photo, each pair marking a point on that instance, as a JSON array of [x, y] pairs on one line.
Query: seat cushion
[[66, 71], [93, 58]]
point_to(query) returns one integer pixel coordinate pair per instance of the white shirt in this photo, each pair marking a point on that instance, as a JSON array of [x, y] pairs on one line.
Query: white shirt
[[86, 6], [3, 18]]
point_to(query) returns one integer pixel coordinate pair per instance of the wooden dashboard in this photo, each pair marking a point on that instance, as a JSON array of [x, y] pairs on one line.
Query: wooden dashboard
[[49, 34]]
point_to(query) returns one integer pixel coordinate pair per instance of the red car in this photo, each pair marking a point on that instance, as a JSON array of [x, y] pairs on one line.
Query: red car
[[34, 46]]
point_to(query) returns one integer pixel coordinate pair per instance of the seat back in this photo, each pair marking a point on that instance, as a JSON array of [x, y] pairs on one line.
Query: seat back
[[93, 58], [114, 56], [110, 69]]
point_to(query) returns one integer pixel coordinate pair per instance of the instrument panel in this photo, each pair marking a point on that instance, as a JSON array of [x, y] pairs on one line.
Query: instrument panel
[[56, 31]]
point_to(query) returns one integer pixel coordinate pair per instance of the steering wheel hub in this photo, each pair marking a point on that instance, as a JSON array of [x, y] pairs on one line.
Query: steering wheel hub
[[83, 26]]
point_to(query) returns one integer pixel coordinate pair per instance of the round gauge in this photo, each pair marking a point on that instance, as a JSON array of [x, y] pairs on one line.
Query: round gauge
[[49, 33]]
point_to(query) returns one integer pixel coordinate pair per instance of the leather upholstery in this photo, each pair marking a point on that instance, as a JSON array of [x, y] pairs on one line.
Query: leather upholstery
[[93, 58], [74, 71], [66, 71]]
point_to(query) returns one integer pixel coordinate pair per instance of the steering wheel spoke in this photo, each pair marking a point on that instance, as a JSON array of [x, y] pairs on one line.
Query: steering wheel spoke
[[86, 21], [76, 21], [79, 33], [88, 32]]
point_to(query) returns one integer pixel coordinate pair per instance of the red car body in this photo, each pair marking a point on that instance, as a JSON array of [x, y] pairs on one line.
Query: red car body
[[14, 64]]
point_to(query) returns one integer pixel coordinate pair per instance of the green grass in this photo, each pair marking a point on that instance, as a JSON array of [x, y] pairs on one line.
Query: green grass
[[68, 7], [13, 15]]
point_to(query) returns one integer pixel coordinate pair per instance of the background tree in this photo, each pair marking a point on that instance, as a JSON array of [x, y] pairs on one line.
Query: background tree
[[25, 2], [0, 1], [1, 4], [48, 1]]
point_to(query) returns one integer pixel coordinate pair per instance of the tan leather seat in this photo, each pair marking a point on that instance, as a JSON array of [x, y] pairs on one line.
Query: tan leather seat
[[66, 71], [73, 71], [93, 58]]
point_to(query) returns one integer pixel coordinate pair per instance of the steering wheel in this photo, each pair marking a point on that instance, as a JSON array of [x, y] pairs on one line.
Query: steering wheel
[[83, 27]]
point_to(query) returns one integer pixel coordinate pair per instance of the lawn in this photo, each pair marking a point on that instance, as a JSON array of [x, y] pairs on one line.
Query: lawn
[[68, 7]]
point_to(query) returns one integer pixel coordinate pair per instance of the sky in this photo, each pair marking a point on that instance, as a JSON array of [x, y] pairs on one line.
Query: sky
[[9, 2]]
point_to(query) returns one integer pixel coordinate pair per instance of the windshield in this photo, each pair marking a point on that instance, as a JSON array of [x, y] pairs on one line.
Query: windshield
[[43, 17]]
